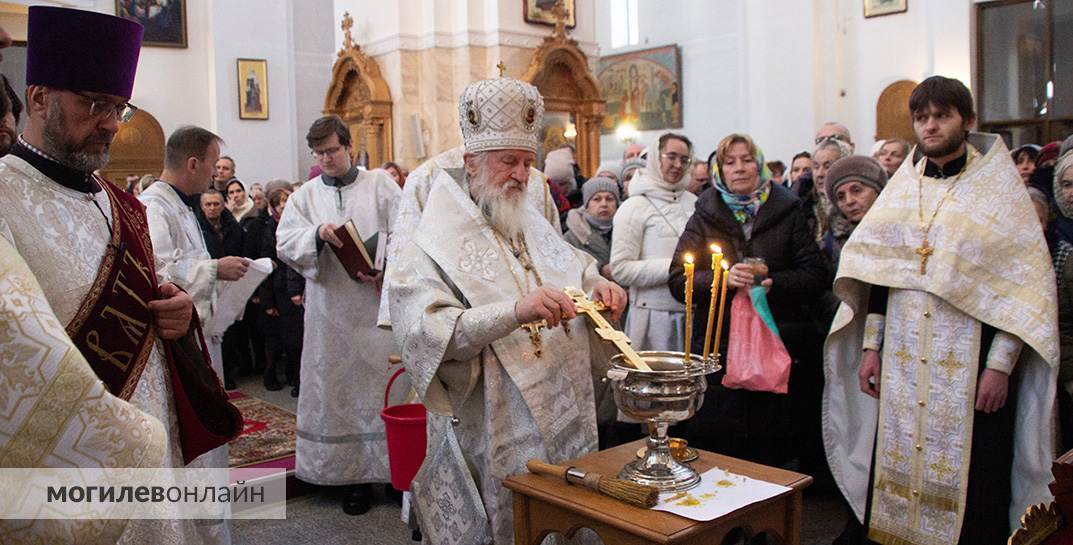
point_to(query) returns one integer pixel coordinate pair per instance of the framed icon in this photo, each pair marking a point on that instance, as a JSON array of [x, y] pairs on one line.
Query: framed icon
[[252, 89]]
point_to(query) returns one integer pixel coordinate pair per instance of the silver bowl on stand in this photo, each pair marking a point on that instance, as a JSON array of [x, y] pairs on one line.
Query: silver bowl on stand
[[671, 392]]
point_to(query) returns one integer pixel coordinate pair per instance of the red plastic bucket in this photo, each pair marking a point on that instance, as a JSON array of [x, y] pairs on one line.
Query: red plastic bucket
[[404, 426]]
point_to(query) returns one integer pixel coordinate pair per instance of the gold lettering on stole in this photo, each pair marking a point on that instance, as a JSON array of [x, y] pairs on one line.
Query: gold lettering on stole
[[134, 329], [119, 284], [141, 268], [93, 340]]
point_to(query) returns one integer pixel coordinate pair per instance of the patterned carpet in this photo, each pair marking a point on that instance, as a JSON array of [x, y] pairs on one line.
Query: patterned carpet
[[268, 432]]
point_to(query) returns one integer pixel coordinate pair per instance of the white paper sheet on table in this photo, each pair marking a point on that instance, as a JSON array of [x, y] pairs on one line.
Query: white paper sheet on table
[[719, 492], [231, 300]]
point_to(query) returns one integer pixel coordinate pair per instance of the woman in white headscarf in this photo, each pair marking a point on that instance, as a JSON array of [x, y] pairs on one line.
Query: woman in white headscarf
[[646, 231]]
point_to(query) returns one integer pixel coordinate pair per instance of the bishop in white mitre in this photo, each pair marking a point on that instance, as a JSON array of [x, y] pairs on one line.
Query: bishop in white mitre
[[481, 263], [415, 195], [84, 240]]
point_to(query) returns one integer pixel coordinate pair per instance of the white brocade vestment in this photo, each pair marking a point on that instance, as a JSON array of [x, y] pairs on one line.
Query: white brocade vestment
[[62, 237], [344, 357], [452, 310], [415, 195], [184, 260], [989, 265]]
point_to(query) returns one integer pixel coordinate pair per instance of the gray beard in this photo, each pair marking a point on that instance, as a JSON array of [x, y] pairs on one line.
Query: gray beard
[[65, 153], [504, 214]]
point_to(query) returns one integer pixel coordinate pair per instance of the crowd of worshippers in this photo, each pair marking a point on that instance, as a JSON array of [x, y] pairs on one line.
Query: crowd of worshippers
[[239, 223], [861, 256]]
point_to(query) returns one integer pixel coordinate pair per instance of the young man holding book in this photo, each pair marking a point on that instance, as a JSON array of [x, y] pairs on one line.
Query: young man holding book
[[344, 366]]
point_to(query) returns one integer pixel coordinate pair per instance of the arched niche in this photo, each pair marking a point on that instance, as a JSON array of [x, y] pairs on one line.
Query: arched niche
[[359, 95], [560, 71], [138, 148], [893, 119]]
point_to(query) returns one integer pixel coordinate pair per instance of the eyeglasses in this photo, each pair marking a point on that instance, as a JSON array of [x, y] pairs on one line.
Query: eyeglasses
[[322, 152], [675, 158], [831, 138], [103, 109]]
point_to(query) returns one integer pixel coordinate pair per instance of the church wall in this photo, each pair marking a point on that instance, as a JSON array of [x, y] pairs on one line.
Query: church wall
[[931, 38], [172, 84], [197, 85], [778, 69], [711, 40], [258, 29], [428, 51], [311, 22]]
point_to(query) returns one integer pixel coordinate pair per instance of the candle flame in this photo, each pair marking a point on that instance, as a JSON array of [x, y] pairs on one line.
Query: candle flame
[[725, 265], [689, 258], [716, 249]]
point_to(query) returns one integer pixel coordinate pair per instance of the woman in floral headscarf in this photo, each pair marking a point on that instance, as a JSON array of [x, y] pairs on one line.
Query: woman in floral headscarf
[[748, 216]]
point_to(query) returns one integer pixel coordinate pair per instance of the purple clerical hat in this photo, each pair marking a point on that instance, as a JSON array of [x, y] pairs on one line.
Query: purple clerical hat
[[82, 50]]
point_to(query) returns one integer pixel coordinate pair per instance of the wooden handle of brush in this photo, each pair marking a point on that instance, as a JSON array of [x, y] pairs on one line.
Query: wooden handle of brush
[[544, 468]]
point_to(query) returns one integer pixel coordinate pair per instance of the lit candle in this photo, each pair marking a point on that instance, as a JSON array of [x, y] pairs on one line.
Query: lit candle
[[717, 256], [722, 302], [689, 304]]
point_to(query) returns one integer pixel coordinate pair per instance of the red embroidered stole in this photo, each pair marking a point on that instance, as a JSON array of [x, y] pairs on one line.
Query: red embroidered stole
[[113, 326]]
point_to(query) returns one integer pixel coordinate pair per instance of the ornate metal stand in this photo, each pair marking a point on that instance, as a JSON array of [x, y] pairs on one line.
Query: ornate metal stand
[[671, 392]]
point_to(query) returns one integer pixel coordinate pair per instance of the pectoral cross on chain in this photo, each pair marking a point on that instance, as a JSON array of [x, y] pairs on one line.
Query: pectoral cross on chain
[[924, 251], [604, 329], [533, 328]]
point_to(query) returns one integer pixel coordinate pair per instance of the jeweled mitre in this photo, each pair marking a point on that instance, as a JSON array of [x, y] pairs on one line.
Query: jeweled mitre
[[500, 113]]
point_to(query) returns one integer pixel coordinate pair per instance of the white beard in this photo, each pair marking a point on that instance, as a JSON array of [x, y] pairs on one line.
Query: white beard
[[505, 214]]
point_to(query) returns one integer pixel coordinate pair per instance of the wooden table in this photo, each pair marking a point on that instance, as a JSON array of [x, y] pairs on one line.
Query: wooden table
[[543, 505]]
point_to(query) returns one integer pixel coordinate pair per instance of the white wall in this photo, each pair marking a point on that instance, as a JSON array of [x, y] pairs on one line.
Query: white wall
[[711, 43], [931, 38], [777, 69], [258, 29]]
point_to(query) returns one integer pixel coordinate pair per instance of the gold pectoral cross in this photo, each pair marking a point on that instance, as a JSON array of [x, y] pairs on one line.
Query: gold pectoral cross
[[602, 328], [534, 336], [924, 251]]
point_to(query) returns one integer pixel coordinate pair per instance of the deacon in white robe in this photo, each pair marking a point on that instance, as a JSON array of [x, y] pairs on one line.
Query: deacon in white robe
[[928, 296], [184, 259], [480, 263], [345, 365]]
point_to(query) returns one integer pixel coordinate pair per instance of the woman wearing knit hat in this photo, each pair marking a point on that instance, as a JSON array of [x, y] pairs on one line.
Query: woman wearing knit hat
[[589, 228], [853, 183]]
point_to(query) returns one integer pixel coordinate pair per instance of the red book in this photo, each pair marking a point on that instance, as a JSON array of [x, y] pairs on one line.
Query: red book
[[359, 255]]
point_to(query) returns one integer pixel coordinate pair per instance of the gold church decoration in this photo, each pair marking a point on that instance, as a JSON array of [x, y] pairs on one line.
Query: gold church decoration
[[359, 95], [138, 148], [560, 71]]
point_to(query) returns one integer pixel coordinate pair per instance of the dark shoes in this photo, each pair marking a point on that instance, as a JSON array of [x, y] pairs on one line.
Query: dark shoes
[[358, 499], [294, 391], [272, 384]]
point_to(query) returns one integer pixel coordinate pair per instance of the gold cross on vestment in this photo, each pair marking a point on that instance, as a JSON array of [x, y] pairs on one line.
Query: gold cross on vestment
[[604, 329], [502, 69], [924, 251], [950, 365], [534, 336], [941, 468]]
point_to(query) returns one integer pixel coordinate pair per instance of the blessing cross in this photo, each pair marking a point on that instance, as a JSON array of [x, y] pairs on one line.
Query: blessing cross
[[534, 335], [924, 251], [604, 329], [502, 69]]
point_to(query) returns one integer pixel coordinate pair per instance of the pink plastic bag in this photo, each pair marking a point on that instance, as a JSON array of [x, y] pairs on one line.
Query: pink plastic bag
[[756, 358]]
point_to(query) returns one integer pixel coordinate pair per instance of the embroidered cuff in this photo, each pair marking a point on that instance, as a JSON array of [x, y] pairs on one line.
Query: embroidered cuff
[[478, 327], [873, 331], [1005, 350]]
